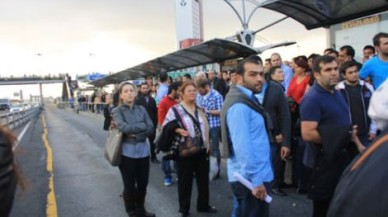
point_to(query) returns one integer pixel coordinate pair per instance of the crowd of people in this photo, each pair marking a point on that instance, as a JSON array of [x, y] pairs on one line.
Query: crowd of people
[[324, 114], [311, 112]]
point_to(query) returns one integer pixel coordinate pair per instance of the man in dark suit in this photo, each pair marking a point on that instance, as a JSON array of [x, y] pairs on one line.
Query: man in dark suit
[[144, 99], [217, 84]]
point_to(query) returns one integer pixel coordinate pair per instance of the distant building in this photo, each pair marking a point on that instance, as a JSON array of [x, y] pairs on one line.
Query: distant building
[[189, 22]]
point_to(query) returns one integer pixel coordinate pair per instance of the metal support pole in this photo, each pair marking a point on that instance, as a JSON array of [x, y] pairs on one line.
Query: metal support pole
[[41, 94]]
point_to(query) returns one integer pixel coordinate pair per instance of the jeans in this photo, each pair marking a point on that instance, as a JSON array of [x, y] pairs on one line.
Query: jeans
[[166, 167], [236, 209], [247, 204], [214, 141], [135, 174]]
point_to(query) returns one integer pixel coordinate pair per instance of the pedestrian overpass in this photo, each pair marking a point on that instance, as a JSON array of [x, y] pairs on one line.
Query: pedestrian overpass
[[40, 81]]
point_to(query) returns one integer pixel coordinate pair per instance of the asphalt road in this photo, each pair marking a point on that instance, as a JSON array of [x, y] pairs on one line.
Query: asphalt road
[[86, 185]]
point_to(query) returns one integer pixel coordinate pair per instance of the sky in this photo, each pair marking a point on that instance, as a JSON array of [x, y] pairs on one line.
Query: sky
[[79, 37]]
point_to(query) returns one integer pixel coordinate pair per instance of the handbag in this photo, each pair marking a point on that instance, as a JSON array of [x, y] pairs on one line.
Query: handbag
[[189, 146], [113, 147]]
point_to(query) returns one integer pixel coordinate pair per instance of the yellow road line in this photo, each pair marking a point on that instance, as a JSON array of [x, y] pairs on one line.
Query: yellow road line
[[51, 208]]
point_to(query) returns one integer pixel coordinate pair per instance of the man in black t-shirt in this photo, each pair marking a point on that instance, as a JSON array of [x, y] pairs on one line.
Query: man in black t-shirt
[[357, 94]]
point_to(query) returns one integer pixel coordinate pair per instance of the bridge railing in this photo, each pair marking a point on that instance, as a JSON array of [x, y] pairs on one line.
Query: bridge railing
[[83, 107], [15, 119]]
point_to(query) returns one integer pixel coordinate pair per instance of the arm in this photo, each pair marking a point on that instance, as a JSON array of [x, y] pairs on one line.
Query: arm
[[218, 106], [250, 154], [365, 71], [124, 126], [162, 112], [285, 120], [288, 74], [310, 132], [310, 116], [150, 126]]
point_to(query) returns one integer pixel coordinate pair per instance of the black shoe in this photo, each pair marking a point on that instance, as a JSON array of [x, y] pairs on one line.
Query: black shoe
[[184, 214], [210, 209], [278, 192], [155, 161]]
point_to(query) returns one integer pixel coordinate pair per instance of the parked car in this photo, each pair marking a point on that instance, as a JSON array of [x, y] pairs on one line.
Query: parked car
[[16, 108], [4, 104]]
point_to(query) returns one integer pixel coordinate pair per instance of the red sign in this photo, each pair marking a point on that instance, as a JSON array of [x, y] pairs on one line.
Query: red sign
[[189, 43]]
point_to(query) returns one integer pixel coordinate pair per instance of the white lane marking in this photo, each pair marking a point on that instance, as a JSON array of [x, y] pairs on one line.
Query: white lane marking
[[21, 136]]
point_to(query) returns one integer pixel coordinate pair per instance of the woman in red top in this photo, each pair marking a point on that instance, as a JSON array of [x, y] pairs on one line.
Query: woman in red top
[[296, 90], [299, 83]]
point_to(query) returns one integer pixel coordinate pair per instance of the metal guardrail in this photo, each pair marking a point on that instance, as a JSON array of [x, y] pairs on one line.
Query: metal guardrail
[[82, 107], [16, 119]]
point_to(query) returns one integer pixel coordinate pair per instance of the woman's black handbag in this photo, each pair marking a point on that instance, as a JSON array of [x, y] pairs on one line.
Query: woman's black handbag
[[189, 146]]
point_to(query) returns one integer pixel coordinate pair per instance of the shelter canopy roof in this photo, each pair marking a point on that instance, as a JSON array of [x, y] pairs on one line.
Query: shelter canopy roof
[[323, 13], [216, 50]]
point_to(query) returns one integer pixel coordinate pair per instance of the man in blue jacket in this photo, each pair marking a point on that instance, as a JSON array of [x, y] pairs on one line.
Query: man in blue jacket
[[245, 133]]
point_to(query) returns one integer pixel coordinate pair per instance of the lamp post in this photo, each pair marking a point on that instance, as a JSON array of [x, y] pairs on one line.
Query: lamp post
[[40, 85]]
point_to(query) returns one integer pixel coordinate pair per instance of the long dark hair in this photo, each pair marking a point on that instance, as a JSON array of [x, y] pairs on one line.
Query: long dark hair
[[10, 139]]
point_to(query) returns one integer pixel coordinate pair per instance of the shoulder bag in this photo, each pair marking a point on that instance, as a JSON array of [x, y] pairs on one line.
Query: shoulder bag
[[189, 146], [113, 146]]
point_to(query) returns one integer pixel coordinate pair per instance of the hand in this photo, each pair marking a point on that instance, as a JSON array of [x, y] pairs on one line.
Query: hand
[[279, 138], [372, 136], [284, 152], [259, 192], [112, 125], [182, 132], [209, 150], [354, 133]]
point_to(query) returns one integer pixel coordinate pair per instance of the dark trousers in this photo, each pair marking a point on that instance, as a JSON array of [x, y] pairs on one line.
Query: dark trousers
[[278, 165], [320, 207], [135, 173], [151, 139], [300, 172], [199, 165], [247, 204]]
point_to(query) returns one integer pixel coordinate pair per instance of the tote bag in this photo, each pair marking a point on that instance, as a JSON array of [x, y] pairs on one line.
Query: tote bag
[[113, 147]]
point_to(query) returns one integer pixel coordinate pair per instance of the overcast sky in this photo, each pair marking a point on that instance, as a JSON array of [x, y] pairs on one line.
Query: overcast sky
[[82, 36]]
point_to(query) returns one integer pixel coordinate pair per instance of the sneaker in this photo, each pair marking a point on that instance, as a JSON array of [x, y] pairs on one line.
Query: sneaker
[[167, 181]]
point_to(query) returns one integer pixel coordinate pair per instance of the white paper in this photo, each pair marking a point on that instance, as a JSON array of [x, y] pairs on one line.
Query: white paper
[[249, 185]]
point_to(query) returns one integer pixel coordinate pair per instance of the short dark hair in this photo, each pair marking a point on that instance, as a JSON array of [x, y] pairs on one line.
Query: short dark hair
[[313, 56], [329, 50], [187, 75], [334, 52], [174, 86], [322, 59], [202, 83], [376, 38], [349, 50], [370, 47], [272, 70], [268, 60], [142, 84], [257, 58], [163, 76], [347, 65], [240, 66]]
